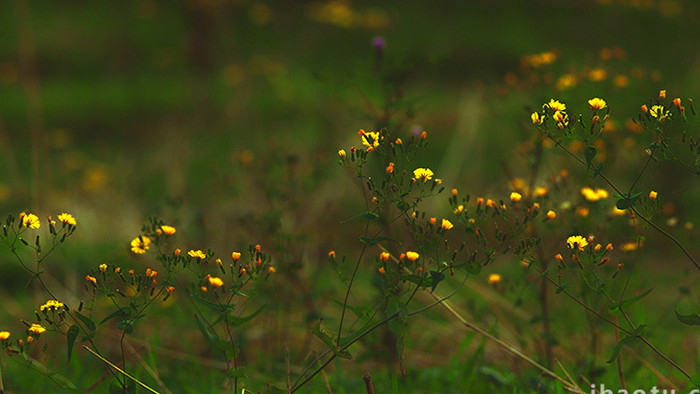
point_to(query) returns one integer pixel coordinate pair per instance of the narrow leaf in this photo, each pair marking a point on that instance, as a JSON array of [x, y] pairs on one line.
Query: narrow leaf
[[691, 320], [71, 336], [363, 215]]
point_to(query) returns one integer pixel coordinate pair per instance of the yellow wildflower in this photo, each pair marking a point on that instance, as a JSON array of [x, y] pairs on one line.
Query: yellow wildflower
[[215, 282], [103, 267], [197, 254], [91, 279], [168, 230], [597, 103], [37, 329], [658, 111], [384, 256], [515, 196], [413, 256], [577, 242], [342, 154], [381, 271], [494, 279], [422, 173], [536, 118], [30, 220], [594, 195], [446, 224], [370, 139], [139, 245], [653, 195], [67, 218], [459, 209], [4, 335], [551, 215], [235, 256]]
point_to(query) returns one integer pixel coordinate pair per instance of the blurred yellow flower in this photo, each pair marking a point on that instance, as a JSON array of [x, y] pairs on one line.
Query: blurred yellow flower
[[494, 279], [653, 195], [103, 267], [594, 195], [515, 196], [30, 220], [139, 245], [597, 103], [342, 153], [235, 256], [197, 254], [446, 224], [67, 218], [576, 242], [658, 112], [36, 329], [384, 256], [4, 335], [551, 215], [423, 173], [91, 279], [413, 256], [381, 271], [215, 282], [168, 230]]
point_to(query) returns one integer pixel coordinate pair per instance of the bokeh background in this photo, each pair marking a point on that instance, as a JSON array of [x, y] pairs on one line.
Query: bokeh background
[[224, 117]]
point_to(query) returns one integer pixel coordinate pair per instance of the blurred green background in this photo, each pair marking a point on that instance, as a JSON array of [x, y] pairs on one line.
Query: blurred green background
[[224, 117]]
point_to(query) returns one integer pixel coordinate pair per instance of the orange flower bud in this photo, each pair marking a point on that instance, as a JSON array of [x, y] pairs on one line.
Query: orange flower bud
[[645, 109]]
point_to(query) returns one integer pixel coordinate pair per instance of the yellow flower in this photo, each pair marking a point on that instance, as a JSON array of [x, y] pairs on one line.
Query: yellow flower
[[30, 220], [342, 154], [596, 103], [556, 105], [370, 139], [197, 254], [551, 215], [446, 224], [103, 267], [536, 118], [494, 279], [515, 196], [91, 279], [52, 305], [4, 335], [67, 218], [168, 230], [658, 111], [629, 246], [139, 245], [271, 270], [561, 117], [331, 254], [235, 256], [653, 195], [459, 209], [413, 256], [215, 282], [381, 271], [37, 329], [384, 256], [577, 242], [423, 173], [540, 191]]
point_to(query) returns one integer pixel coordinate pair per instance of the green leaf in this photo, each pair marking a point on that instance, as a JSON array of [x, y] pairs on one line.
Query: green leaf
[[627, 201], [473, 267], [376, 240], [210, 337], [398, 327], [363, 215], [625, 304], [628, 340], [436, 277], [121, 313], [236, 321], [690, 320], [321, 334], [220, 308], [87, 321], [71, 336]]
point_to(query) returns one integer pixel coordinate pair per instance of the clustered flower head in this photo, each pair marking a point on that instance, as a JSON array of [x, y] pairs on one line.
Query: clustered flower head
[[198, 254], [52, 305], [36, 329]]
